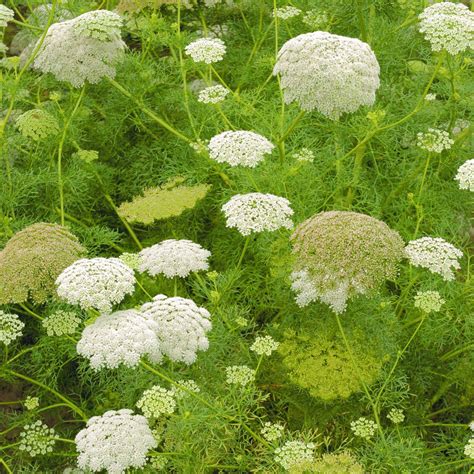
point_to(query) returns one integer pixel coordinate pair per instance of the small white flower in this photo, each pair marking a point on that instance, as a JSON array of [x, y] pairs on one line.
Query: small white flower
[[239, 148], [287, 12], [10, 327], [429, 301], [239, 375], [206, 50], [37, 438], [31, 403], [465, 175], [264, 345], [434, 254], [174, 258], [293, 453], [434, 140], [157, 401], [272, 431], [363, 428], [213, 94], [257, 212]]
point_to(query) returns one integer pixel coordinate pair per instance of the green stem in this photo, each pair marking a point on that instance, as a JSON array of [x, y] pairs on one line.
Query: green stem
[[175, 286], [359, 157], [5, 465], [361, 20], [244, 250], [292, 126]]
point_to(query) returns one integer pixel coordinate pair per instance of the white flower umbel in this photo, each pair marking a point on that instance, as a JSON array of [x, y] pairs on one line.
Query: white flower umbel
[[96, 283], [115, 441], [469, 448], [293, 453], [206, 50], [174, 258], [331, 73], [119, 338], [465, 175], [434, 140], [304, 155], [448, 26], [31, 403], [86, 48], [157, 401], [257, 212], [6, 15], [434, 254], [429, 301], [212, 94], [272, 431], [37, 438], [396, 415], [264, 345], [285, 13], [239, 375], [363, 428], [182, 327], [61, 323], [239, 148], [10, 327]]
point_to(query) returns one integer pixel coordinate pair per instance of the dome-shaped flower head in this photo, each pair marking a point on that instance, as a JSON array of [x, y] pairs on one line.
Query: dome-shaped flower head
[[115, 441], [331, 73], [448, 26], [10, 327], [182, 327], [174, 258], [86, 48], [257, 212], [465, 175], [341, 254], [37, 124], [239, 148], [6, 15], [206, 50], [96, 283], [119, 338], [32, 260], [434, 254]]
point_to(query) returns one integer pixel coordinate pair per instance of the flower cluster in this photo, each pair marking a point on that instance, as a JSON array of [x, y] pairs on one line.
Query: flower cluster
[[430, 97], [157, 401], [293, 453], [115, 441], [87, 156], [342, 254], [32, 260], [183, 388], [6, 15], [429, 301], [96, 283], [132, 260], [336, 463], [86, 48], [174, 258], [434, 140], [469, 448], [61, 323], [212, 94], [37, 438], [206, 50], [465, 175], [448, 26], [331, 73], [239, 148], [363, 428], [181, 327], [264, 345], [304, 154], [10, 327], [434, 254], [122, 337], [396, 415], [257, 212], [285, 13], [31, 402], [239, 375], [37, 124], [272, 431], [316, 19]]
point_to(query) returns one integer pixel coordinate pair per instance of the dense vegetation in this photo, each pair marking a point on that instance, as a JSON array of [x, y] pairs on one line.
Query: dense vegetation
[[325, 322]]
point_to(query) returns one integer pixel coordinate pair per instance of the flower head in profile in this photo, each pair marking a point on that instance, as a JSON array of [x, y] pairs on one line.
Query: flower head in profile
[[239, 148], [465, 175], [174, 258], [84, 49], [257, 212], [206, 50], [123, 337], [434, 254], [330, 73], [96, 283], [341, 254], [448, 26], [10, 327], [6, 15], [116, 441], [181, 327]]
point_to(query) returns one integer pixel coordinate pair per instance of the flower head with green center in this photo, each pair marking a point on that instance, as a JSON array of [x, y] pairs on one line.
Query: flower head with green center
[[37, 124], [293, 453], [37, 438], [396, 415], [429, 301], [264, 345], [363, 428], [212, 94], [157, 401], [342, 254], [272, 431], [10, 327], [434, 140], [61, 323], [31, 403], [239, 375]]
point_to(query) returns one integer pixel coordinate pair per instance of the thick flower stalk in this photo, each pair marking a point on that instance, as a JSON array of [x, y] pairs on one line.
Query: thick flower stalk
[[330, 73]]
